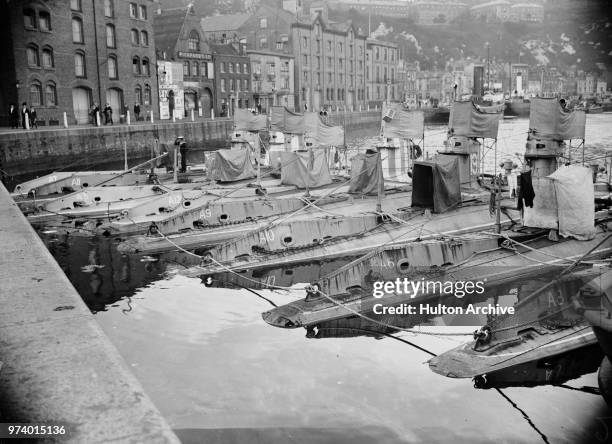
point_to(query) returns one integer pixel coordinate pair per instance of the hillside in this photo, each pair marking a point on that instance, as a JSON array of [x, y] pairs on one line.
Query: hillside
[[574, 33]]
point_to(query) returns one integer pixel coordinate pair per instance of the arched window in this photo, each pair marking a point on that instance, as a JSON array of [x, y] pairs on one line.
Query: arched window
[[138, 94], [147, 95], [193, 43], [32, 52], [109, 10], [110, 36], [112, 67], [195, 69], [75, 5], [79, 65], [35, 93], [135, 37], [145, 67], [77, 30], [29, 18], [144, 38], [51, 94], [44, 21], [47, 57], [135, 65]]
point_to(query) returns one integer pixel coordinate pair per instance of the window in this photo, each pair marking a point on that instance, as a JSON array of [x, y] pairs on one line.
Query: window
[[245, 85], [204, 69], [47, 58], [133, 10], [146, 67], [285, 67], [44, 21], [147, 95], [144, 38], [231, 67], [109, 10], [77, 30], [186, 68], [232, 87], [238, 68], [385, 54], [29, 18], [222, 85], [35, 93], [32, 53], [329, 45], [75, 5], [263, 22], [51, 93], [193, 43], [305, 42], [305, 59], [195, 68], [222, 67], [257, 68], [377, 53], [271, 67], [340, 47], [305, 76], [112, 67], [142, 12], [245, 68], [79, 64], [138, 94], [285, 83], [279, 45], [135, 37], [263, 42], [110, 36], [136, 65]]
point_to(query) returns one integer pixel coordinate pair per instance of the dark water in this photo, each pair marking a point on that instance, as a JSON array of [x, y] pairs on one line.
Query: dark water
[[220, 374]]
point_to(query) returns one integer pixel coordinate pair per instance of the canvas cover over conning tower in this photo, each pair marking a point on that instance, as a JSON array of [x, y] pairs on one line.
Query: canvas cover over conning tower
[[367, 174], [435, 183], [231, 165], [247, 121], [309, 124], [549, 120], [401, 123], [469, 121], [305, 168]]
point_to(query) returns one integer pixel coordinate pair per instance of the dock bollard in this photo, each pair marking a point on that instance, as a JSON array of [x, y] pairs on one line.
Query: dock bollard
[[127, 117], [65, 120], [151, 116], [192, 116], [173, 117], [97, 118], [212, 113]]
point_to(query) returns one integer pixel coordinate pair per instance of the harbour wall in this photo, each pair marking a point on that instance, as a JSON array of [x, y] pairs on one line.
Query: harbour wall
[[28, 153], [58, 366]]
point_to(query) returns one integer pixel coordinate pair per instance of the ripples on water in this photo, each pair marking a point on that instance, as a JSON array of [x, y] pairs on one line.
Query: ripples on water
[[218, 373]]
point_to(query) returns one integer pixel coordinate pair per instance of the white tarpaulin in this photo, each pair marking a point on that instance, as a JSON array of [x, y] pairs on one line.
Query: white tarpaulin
[[544, 212], [247, 121], [575, 201], [548, 120], [564, 201], [303, 168]]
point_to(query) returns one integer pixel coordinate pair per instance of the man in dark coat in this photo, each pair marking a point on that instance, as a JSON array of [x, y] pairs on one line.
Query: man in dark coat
[[32, 114], [108, 114], [13, 116], [137, 111]]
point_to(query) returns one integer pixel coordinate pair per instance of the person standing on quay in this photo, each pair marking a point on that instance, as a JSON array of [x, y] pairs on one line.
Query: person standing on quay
[[32, 114], [14, 116], [24, 115], [108, 114], [137, 111]]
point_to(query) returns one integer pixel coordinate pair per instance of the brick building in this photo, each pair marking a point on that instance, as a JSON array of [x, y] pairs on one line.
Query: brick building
[[64, 56], [179, 39], [382, 60], [272, 79], [232, 77]]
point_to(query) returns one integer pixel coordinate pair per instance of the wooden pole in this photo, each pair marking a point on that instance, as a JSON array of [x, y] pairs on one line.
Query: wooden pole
[[125, 156]]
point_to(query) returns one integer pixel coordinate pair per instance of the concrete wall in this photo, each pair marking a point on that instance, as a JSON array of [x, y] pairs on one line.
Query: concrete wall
[[34, 152], [58, 365]]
